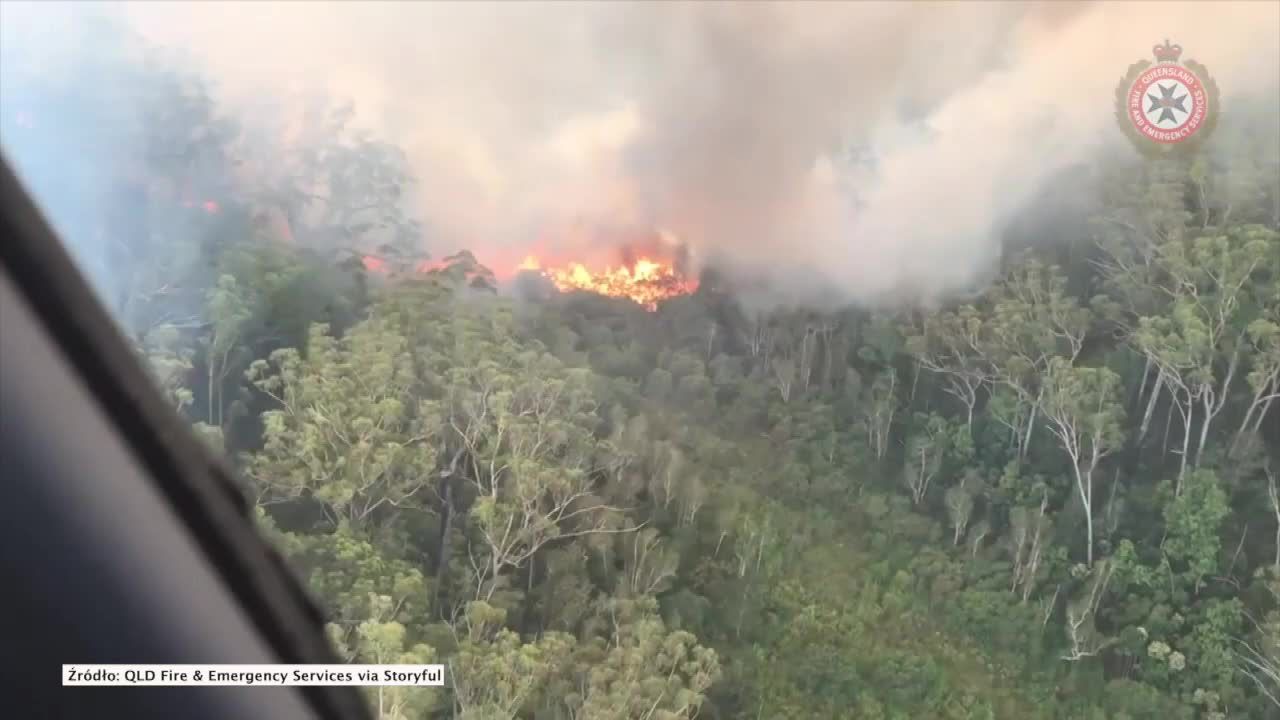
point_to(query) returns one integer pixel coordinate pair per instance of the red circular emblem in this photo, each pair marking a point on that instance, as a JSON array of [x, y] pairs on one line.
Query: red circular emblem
[[1168, 103]]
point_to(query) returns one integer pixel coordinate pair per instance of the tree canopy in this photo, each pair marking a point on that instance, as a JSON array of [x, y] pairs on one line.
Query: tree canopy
[[1054, 498]]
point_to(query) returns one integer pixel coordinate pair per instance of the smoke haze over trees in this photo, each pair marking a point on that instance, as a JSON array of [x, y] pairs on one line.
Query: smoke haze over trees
[[973, 415], [870, 149]]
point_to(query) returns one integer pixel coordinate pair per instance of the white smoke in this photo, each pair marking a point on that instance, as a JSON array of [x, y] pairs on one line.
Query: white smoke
[[872, 148]]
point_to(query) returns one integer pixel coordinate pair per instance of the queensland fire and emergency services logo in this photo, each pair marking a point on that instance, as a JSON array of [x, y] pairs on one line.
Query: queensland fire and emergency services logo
[[1169, 105]]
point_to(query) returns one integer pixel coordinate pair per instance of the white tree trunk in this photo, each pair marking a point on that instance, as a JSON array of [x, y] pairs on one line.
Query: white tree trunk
[[1151, 406]]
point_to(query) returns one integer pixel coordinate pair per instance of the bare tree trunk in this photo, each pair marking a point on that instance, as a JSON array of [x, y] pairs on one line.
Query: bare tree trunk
[[969, 418], [1257, 424], [1142, 386], [1215, 399], [1037, 551], [1261, 399], [1151, 405], [1168, 423], [1186, 441], [1274, 493], [1205, 394], [1087, 497], [1031, 423]]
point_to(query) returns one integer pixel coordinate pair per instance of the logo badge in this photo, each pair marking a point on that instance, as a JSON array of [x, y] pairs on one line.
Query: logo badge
[[1167, 105]]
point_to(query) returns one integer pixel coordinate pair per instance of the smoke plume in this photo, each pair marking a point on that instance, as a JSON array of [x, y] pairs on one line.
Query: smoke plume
[[862, 149]]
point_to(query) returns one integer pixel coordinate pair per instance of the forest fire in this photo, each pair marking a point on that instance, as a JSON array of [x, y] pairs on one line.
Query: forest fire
[[644, 280], [646, 270]]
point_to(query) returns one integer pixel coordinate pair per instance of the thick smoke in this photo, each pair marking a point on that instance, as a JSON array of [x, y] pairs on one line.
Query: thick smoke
[[866, 149]]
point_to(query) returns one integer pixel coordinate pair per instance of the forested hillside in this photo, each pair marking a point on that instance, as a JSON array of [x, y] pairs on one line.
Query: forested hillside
[[1058, 497]]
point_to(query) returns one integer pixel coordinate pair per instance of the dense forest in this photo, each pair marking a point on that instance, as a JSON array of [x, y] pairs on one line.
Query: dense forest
[[1057, 497]]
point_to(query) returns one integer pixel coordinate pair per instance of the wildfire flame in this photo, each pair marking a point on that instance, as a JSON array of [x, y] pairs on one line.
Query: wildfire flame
[[642, 275], [646, 280]]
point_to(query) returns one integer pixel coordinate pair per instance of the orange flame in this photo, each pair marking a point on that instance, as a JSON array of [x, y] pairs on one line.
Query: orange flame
[[646, 281], [643, 279]]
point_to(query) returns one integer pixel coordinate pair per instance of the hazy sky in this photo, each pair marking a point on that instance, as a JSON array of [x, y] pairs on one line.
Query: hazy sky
[[729, 125]]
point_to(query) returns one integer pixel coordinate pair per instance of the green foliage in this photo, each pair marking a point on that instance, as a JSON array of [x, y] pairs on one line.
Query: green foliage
[[641, 669], [496, 675], [1040, 502], [348, 432], [1192, 522]]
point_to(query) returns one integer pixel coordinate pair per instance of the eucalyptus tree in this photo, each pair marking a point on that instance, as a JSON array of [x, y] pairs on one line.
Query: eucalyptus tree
[[1088, 423], [1264, 358], [641, 669], [350, 430], [1212, 295], [932, 444], [1033, 323], [877, 406], [950, 344], [523, 427]]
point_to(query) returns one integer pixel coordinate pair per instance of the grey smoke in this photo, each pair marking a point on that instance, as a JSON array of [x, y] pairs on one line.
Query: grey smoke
[[865, 149]]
